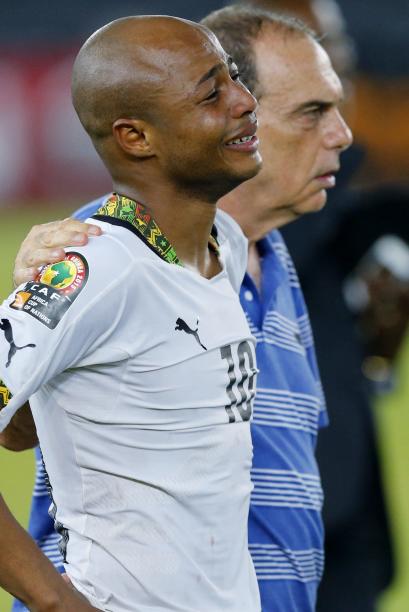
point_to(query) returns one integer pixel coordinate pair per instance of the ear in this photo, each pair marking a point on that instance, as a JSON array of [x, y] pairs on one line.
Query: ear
[[133, 136]]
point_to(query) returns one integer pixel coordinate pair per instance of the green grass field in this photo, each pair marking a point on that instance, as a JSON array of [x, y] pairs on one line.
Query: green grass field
[[392, 412]]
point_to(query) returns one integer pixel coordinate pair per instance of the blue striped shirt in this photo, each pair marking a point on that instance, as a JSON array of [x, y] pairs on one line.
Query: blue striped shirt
[[285, 528]]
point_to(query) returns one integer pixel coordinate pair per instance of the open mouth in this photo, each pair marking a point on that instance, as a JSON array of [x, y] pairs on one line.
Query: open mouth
[[244, 143], [240, 140], [245, 139]]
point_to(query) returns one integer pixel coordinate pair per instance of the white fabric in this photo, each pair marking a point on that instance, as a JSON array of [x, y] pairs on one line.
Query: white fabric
[[148, 475]]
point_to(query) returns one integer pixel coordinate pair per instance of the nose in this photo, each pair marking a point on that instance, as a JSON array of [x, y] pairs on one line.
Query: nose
[[242, 101], [338, 135]]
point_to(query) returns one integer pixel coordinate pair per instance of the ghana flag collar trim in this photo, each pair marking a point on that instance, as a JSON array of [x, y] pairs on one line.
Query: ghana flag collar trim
[[120, 210]]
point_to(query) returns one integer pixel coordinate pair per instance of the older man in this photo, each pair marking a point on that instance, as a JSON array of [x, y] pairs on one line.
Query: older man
[[301, 136]]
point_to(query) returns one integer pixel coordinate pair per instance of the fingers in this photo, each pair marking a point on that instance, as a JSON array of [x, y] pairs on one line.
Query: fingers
[[38, 257], [45, 244], [68, 232], [30, 259], [23, 275]]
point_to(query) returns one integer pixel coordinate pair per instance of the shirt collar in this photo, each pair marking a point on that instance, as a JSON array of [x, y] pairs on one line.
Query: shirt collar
[[121, 210]]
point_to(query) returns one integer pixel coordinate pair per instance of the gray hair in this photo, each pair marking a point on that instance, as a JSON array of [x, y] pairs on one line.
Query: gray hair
[[237, 27]]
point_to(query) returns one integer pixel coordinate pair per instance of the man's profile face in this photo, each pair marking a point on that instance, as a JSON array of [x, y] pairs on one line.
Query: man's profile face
[[202, 109], [300, 127]]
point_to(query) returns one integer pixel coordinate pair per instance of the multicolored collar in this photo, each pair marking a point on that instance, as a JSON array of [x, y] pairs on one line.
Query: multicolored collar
[[120, 210]]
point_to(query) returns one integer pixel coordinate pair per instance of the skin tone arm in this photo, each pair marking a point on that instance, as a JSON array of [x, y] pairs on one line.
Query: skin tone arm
[[28, 575]]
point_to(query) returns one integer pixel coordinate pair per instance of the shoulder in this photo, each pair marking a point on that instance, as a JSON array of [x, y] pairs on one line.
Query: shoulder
[[90, 273], [108, 252]]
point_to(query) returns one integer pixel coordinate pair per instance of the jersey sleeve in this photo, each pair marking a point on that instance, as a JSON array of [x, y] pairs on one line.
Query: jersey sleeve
[[51, 324]]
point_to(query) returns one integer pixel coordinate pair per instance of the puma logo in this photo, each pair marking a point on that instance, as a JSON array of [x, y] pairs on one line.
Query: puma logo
[[5, 325], [181, 325]]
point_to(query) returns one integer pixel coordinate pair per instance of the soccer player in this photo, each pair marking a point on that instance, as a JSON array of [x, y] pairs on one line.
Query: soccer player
[[134, 350], [301, 137], [28, 574]]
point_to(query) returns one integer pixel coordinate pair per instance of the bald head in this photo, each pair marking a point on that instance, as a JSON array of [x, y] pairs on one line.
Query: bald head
[[123, 68], [161, 101]]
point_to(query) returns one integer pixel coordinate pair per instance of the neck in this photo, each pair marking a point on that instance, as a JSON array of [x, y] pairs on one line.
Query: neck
[[251, 208], [185, 220]]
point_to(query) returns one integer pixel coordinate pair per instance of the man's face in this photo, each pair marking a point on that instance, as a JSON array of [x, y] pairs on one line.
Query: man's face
[[203, 112], [301, 130]]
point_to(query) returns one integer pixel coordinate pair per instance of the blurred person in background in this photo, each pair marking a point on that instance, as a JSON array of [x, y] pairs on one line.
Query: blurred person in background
[[291, 74], [326, 250]]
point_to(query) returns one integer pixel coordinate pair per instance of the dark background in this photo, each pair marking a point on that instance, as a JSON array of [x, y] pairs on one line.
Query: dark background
[[380, 27]]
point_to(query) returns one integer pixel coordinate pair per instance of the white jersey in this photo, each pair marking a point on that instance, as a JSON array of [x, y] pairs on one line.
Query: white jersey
[[141, 376]]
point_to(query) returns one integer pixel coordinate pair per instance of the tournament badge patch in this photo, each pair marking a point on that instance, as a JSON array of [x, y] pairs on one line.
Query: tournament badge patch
[[5, 395], [57, 285]]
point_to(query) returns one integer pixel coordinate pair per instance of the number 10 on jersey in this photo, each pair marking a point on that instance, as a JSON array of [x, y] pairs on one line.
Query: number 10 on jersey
[[240, 388]]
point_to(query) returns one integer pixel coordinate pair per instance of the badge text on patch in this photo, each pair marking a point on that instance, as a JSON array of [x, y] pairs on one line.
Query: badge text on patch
[[54, 290]]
